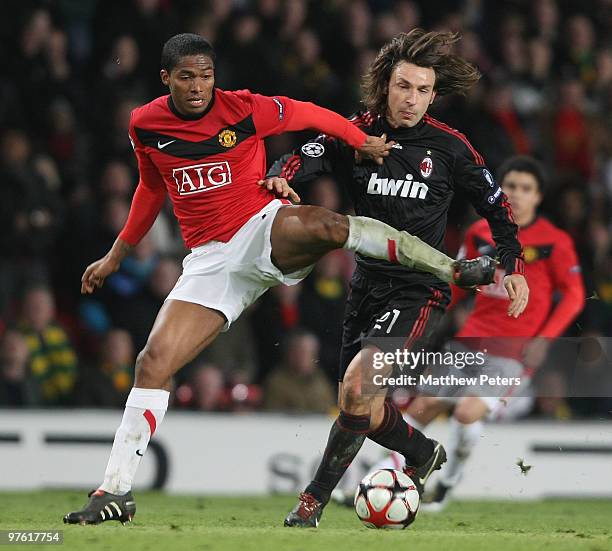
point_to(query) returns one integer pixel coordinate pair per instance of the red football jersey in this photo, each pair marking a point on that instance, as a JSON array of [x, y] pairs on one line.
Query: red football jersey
[[551, 265], [210, 165]]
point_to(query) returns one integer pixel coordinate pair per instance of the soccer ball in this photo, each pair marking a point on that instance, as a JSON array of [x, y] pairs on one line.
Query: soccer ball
[[387, 499]]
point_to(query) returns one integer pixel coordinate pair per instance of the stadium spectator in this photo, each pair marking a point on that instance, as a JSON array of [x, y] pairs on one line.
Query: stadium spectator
[[30, 210], [234, 352], [323, 298], [17, 387], [53, 361], [299, 384], [108, 383], [208, 386], [571, 133]]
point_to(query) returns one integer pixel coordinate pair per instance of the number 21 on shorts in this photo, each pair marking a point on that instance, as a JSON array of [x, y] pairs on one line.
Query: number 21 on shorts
[[393, 314]]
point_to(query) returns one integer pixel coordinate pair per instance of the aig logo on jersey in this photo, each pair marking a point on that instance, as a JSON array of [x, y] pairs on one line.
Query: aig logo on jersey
[[426, 167], [199, 178], [404, 188]]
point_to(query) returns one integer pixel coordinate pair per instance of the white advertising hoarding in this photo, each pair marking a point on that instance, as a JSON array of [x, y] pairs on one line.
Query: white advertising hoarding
[[261, 453]]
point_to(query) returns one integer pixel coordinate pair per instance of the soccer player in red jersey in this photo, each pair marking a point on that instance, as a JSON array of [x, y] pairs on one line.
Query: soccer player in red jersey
[[204, 148], [551, 267]]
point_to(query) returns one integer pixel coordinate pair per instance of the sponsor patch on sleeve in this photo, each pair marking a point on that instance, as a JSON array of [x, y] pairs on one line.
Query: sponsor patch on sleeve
[[281, 108], [495, 196], [313, 149]]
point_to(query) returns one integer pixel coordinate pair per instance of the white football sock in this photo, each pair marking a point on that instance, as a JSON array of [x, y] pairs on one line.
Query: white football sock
[[461, 442], [144, 411], [376, 239]]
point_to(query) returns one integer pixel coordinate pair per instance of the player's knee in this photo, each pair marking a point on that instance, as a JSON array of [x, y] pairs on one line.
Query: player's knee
[[328, 227], [150, 365], [427, 404], [352, 396], [466, 415]]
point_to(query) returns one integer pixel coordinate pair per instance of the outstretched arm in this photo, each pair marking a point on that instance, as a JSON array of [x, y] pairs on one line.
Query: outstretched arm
[[274, 115]]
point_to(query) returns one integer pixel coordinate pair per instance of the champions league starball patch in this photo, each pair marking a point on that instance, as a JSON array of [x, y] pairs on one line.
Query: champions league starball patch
[[313, 149]]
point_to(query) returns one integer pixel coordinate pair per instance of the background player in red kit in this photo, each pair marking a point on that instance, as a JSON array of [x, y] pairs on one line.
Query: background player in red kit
[[204, 148], [551, 266]]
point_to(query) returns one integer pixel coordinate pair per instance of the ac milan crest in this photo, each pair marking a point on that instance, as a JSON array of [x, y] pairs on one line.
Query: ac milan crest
[[426, 167]]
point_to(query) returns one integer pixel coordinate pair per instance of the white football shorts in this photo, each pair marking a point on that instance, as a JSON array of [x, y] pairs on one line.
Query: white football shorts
[[231, 276]]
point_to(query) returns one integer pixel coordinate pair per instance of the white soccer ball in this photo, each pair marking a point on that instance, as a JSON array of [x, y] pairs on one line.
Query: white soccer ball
[[387, 499]]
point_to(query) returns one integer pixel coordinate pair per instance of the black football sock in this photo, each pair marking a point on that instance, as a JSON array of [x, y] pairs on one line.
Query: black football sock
[[397, 435], [346, 437]]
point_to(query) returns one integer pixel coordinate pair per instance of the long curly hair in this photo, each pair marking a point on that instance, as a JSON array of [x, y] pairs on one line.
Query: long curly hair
[[454, 75]]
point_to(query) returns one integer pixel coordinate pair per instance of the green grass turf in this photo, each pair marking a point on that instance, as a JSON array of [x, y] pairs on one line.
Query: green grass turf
[[177, 523]]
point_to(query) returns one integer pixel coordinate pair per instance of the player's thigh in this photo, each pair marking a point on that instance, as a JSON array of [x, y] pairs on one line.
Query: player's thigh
[[470, 409], [302, 234], [180, 332]]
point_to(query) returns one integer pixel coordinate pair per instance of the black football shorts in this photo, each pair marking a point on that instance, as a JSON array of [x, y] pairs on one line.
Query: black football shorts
[[389, 307]]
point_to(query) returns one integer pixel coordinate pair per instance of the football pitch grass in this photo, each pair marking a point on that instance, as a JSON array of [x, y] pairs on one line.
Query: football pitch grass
[[177, 523]]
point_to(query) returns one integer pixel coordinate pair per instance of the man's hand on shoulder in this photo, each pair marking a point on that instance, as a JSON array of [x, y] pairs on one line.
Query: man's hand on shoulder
[[375, 148], [518, 291]]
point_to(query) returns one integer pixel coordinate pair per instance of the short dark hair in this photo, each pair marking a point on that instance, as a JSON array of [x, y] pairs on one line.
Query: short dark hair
[[181, 45], [424, 49], [523, 163]]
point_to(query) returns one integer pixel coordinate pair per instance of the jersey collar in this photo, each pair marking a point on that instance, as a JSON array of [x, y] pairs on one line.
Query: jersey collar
[[401, 132], [176, 112]]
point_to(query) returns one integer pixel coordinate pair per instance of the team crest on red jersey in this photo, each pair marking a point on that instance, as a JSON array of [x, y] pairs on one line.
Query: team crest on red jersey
[[227, 138], [426, 167]]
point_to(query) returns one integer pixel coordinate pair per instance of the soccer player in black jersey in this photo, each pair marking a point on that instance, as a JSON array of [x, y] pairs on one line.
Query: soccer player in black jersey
[[411, 191]]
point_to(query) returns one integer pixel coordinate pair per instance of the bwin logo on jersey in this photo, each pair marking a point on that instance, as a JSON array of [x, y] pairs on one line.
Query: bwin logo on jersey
[[404, 188], [313, 149]]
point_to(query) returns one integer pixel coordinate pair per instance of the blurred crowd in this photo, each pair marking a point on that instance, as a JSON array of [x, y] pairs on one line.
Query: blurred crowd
[[67, 172]]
